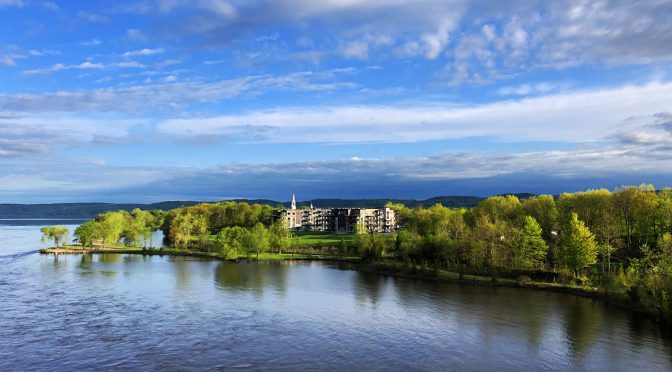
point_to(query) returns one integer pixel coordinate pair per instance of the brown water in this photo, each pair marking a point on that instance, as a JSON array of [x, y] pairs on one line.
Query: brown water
[[129, 311]]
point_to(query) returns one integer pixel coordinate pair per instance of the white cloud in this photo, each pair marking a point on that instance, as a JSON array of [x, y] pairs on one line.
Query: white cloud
[[136, 34], [92, 42], [477, 41], [43, 52], [16, 3], [168, 95], [360, 48], [143, 52], [356, 49], [533, 88], [86, 65], [92, 17], [130, 64], [219, 7], [568, 117], [7, 61]]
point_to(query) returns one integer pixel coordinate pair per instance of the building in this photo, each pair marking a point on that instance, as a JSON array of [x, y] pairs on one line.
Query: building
[[338, 220]]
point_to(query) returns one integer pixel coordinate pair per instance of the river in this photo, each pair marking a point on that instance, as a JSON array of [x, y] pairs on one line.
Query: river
[[175, 313]]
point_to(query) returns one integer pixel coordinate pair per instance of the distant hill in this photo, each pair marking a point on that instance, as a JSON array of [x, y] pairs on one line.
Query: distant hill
[[90, 210], [448, 201], [78, 210]]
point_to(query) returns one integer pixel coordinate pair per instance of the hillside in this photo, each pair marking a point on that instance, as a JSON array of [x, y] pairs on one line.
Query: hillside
[[89, 210]]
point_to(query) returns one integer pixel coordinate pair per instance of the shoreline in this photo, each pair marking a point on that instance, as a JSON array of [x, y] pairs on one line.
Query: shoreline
[[378, 268]]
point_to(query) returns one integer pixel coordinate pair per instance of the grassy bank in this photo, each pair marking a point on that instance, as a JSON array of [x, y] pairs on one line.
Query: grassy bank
[[75, 249], [398, 269], [312, 238]]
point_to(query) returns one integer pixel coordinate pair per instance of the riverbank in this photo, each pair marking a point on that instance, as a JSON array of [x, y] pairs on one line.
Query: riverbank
[[186, 253], [398, 270], [403, 271], [381, 268], [392, 269]]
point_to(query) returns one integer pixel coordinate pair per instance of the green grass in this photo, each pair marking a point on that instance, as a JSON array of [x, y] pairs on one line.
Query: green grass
[[268, 256], [310, 238]]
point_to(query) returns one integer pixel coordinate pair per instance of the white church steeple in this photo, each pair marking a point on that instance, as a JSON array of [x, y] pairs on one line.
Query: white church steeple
[[293, 202]]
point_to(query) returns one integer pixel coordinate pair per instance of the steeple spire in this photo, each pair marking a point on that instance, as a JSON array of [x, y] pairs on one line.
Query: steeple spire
[[293, 202]]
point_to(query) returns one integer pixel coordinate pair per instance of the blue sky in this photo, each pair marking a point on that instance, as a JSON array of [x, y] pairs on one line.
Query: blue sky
[[214, 99]]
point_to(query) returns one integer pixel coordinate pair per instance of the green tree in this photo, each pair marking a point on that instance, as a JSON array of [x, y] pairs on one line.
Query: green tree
[[408, 244], [579, 246], [342, 247], [531, 252], [87, 232], [134, 230], [187, 227], [231, 241], [360, 228], [279, 235], [59, 234], [257, 239], [111, 226], [371, 245], [665, 248]]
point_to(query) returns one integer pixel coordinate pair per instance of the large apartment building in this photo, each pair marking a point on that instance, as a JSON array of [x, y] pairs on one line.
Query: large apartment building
[[338, 220]]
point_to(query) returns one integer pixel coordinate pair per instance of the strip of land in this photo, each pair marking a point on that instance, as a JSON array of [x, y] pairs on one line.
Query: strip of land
[[388, 268]]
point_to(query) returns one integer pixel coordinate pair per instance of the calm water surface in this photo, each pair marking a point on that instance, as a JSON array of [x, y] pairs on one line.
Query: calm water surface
[[129, 311]]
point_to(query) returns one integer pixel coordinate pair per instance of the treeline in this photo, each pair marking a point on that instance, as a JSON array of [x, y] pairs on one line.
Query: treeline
[[133, 228], [228, 228], [620, 241]]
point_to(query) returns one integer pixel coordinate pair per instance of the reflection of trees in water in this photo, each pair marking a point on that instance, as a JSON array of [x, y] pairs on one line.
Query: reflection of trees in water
[[181, 268], [582, 326], [135, 258], [110, 258], [532, 312], [368, 288], [639, 327], [516, 314], [58, 263], [255, 277]]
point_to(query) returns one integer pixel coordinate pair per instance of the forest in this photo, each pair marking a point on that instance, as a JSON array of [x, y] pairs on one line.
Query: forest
[[618, 241]]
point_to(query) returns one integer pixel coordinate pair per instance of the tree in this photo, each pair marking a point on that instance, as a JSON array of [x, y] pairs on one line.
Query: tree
[[342, 247], [187, 227], [360, 228], [140, 227], [371, 245], [279, 235], [579, 246], [544, 211], [59, 234], [665, 248], [87, 232], [532, 250], [257, 239], [133, 231], [637, 208], [407, 243], [111, 226], [231, 241]]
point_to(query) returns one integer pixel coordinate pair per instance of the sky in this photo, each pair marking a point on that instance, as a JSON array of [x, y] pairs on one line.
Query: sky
[[144, 101]]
